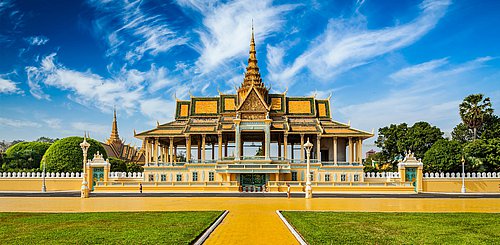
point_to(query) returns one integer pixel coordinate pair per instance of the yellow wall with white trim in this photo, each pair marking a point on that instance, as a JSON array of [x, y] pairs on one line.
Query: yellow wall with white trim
[[454, 185], [35, 184]]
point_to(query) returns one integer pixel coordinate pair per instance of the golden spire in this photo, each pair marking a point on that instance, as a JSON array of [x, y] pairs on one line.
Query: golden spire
[[252, 74], [114, 130]]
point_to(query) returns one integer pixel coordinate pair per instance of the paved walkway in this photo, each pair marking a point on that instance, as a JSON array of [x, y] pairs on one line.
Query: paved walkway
[[250, 220]]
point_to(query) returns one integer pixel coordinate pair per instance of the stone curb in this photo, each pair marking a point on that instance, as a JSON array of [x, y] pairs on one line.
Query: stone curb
[[291, 229], [210, 229]]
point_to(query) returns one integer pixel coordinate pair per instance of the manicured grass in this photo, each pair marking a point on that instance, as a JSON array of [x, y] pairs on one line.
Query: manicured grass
[[104, 228], [396, 228]]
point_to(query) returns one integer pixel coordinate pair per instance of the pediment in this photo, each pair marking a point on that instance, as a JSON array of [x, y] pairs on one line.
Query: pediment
[[253, 102]]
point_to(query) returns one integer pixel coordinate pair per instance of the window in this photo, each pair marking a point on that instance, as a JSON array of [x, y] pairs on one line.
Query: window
[[312, 175], [327, 177], [356, 177], [210, 176], [294, 176], [151, 177], [163, 177], [179, 177], [195, 176], [342, 177]]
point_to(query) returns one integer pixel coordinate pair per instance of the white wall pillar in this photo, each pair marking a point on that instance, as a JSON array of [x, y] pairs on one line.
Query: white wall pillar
[[335, 150]]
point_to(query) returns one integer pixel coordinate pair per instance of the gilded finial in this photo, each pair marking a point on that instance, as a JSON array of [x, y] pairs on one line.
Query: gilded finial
[[349, 123], [373, 130], [135, 133], [157, 123], [329, 96], [286, 90]]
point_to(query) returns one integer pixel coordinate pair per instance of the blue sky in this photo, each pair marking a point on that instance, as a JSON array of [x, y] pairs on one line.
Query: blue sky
[[64, 65]]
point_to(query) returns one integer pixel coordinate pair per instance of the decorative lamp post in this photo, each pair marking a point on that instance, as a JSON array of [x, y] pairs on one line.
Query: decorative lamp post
[[85, 188], [308, 146], [44, 187], [463, 175]]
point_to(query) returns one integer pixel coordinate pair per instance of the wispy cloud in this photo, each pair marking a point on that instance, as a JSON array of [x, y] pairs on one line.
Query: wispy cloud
[[347, 43], [54, 123], [127, 90], [226, 28], [18, 123], [158, 109], [130, 28], [92, 127], [8, 87], [430, 91], [37, 40]]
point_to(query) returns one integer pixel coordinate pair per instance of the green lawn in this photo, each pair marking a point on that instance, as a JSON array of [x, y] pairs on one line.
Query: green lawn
[[104, 228], [396, 228]]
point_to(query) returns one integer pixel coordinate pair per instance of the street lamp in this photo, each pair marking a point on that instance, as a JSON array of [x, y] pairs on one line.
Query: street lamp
[[44, 187], [308, 145], [463, 175], [85, 147]]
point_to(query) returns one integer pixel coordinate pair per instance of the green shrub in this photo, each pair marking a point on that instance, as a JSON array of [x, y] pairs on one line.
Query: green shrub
[[134, 168], [117, 165], [24, 156], [66, 155]]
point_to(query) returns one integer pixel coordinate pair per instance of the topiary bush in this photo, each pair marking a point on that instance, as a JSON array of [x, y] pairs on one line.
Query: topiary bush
[[24, 156], [117, 165], [66, 155]]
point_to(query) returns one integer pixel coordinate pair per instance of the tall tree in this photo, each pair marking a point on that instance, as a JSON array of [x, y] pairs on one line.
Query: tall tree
[[473, 110], [394, 140], [443, 156]]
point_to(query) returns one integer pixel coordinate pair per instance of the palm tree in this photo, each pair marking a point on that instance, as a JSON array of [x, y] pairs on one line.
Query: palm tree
[[473, 110]]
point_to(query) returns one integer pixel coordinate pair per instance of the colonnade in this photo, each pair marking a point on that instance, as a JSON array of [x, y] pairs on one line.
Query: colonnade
[[166, 152]]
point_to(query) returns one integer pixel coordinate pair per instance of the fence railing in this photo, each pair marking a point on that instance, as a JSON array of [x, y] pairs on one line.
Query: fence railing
[[342, 183], [459, 175], [125, 175], [382, 175], [39, 175]]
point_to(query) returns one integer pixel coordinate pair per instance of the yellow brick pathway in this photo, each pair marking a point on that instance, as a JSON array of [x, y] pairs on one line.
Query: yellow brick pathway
[[250, 220]]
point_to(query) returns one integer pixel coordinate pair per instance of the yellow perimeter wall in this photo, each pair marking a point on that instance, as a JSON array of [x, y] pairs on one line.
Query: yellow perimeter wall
[[455, 185], [35, 184], [429, 185]]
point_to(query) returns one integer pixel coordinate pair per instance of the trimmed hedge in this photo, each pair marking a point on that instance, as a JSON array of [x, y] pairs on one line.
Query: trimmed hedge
[[24, 156], [66, 155]]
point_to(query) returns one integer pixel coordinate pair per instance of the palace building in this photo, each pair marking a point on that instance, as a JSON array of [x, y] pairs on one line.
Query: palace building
[[252, 138]]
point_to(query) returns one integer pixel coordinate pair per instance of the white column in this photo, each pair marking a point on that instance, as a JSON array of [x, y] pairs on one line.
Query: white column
[[171, 149], [350, 150], [318, 148], [302, 157], [359, 150], [237, 139], [267, 131], [285, 146], [188, 148], [219, 147], [147, 152], [155, 151], [203, 141], [335, 150]]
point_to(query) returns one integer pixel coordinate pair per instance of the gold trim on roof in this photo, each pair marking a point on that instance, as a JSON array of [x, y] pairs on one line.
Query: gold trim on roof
[[299, 106], [184, 110], [322, 110], [304, 128], [201, 129], [276, 104], [205, 107]]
